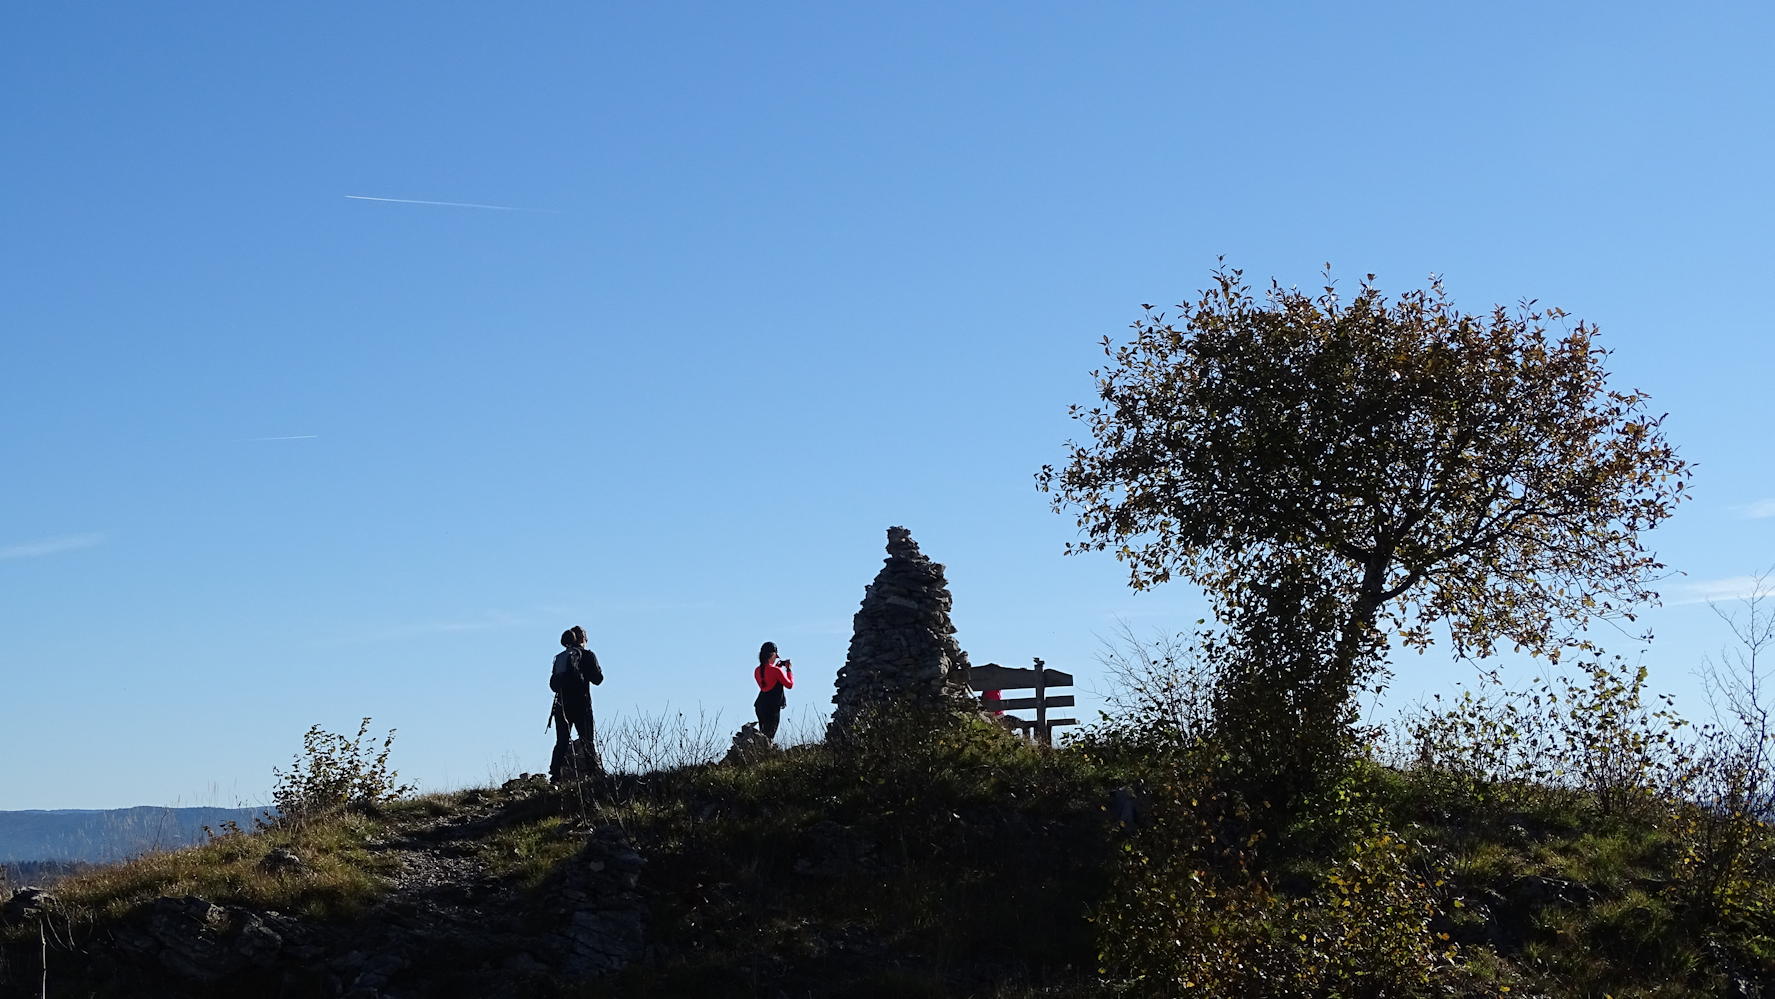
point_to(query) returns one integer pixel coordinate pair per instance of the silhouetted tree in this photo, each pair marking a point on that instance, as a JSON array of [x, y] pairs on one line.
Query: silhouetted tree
[[1382, 466]]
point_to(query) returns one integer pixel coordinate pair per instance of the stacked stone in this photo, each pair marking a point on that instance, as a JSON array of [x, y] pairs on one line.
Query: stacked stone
[[749, 745], [903, 651]]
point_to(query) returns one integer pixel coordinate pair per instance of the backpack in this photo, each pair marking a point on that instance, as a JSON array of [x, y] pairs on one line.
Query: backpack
[[565, 671], [573, 669]]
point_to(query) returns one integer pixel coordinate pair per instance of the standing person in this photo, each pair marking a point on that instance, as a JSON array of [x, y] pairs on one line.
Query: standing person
[[990, 699], [575, 670], [774, 676]]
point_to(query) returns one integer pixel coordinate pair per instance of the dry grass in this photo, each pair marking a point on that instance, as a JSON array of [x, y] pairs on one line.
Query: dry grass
[[338, 876], [641, 742], [530, 852]]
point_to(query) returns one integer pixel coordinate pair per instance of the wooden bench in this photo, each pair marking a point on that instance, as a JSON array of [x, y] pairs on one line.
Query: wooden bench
[[992, 676]]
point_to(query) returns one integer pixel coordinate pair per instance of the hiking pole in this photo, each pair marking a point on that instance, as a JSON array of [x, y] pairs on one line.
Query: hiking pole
[[553, 706]]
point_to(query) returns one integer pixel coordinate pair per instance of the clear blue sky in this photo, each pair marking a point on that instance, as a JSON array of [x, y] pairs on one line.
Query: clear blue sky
[[786, 274]]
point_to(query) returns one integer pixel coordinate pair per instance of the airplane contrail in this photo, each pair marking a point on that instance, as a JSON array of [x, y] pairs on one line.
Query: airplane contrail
[[51, 546], [292, 437], [450, 204]]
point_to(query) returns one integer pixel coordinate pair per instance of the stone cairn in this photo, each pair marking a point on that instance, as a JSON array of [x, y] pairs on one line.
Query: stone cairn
[[749, 745], [903, 651]]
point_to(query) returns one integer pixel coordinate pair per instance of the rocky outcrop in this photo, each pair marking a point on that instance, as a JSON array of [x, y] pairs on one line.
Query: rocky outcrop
[[282, 861], [903, 654], [581, 763], [447, 924], [26, 905], [749, 745], [605, 927], [198, 941]]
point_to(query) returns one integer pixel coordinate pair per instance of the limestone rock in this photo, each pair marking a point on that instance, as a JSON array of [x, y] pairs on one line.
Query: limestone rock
[[582, 763], [199, 941], [524, 785], [749, 745], [605, 930], [281, 861], [26, 904]]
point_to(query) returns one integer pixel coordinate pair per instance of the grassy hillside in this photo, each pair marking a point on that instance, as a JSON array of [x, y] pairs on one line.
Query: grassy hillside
[[948, 862]]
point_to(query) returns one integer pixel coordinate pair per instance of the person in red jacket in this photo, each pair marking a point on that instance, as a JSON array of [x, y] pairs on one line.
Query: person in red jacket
[[774, 676]]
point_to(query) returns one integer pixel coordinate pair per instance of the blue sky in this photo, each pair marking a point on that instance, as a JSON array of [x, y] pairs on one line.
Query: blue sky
[[785, 274]]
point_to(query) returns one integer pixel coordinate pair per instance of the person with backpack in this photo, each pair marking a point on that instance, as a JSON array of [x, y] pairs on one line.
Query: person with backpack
[[574, 672], [773, 676]]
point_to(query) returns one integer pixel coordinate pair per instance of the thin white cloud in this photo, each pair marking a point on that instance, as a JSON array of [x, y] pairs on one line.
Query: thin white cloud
[[51, 546], [490, 621], [1759, 509], [291, 437], [450, 204], [1721, 590]]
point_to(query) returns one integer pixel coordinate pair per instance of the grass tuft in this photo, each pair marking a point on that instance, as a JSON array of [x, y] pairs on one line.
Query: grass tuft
[[338, 876]]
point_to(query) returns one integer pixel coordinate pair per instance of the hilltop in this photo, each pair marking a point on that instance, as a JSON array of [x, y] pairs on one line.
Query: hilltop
[[962, 863], [797, 874], [1575, 838]]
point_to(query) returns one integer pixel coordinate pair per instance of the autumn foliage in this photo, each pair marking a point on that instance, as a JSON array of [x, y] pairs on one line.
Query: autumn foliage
[[1385, 467]]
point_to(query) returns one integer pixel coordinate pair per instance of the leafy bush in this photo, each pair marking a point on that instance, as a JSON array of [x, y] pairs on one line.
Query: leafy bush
[[334, 771], [912, 760], [1194, 912], [1728, 860], [1595, 742], [1594, 732], [1248, 875]]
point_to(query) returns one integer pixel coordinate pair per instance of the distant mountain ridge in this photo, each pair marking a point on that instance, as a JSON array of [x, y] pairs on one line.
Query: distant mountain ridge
[[107, 835]]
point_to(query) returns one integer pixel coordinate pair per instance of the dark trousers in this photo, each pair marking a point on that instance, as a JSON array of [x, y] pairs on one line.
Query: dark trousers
[[577, 716], [769, 706]]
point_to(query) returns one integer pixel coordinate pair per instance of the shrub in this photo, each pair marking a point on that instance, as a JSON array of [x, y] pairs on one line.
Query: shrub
[[1193, 913], [640, 742], [1728, 859], [1594, 732], [336, 771], [1159, 691]]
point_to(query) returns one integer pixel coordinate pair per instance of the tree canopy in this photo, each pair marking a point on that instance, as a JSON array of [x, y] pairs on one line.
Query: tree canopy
[[1424, 465]]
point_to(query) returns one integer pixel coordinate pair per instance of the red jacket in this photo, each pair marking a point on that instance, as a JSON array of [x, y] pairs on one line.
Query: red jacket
[[770, 675]]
